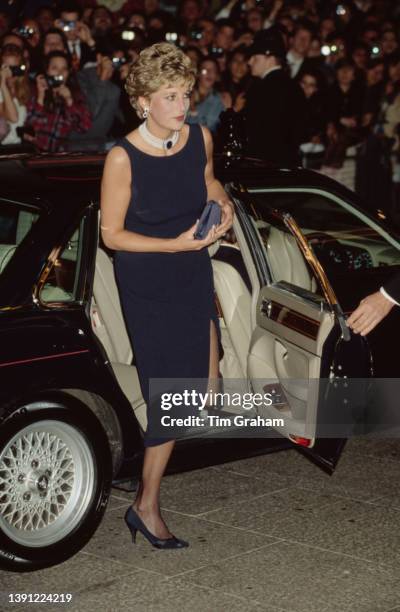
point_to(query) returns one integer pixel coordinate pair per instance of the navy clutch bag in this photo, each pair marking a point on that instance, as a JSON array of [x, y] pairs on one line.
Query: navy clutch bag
[[210, 216]]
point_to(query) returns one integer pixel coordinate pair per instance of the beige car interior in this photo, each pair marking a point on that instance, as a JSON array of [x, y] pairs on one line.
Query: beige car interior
[[24, 224], [281, 351]]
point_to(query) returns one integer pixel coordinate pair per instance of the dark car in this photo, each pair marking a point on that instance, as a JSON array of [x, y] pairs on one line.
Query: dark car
[[301, 255]]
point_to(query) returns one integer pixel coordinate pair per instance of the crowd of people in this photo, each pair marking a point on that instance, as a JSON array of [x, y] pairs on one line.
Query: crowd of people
[[64, 64]]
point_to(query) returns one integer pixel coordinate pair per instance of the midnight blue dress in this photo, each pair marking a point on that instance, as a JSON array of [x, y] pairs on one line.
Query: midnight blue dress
[[167, 298]]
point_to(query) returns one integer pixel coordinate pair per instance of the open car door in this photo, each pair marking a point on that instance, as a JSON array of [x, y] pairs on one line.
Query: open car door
[[300, 345]]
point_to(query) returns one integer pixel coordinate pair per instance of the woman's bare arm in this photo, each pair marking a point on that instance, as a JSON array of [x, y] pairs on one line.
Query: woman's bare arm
[[115, 198], [8, 110], [215, 191]]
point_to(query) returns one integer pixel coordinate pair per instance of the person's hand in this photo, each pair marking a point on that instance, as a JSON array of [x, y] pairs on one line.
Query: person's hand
[[4, 128], [367, 119], [348, 122], [42, 87], [5, 73], [331, 132], [389, 88], [64, 92], [226, 99], [124, 71], [245, 39], [226, 216], [278, 4], [58, 23], [187, 242], [369, 313], [105, 68], [84, 33], [240, 102]]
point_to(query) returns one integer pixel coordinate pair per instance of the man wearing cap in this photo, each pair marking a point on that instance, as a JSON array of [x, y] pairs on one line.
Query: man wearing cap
[[274, 110]]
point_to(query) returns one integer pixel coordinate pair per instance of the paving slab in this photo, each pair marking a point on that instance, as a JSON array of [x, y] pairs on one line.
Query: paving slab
[[351, 478], [165, 594], [208, 541], [200, 491], [79, 573], [299, 578]]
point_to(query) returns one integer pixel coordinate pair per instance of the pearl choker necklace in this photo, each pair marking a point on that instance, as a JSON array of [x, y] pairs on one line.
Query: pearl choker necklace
[[159, 143]]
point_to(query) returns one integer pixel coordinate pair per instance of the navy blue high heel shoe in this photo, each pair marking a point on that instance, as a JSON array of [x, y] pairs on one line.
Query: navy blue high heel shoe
[[135, 524]]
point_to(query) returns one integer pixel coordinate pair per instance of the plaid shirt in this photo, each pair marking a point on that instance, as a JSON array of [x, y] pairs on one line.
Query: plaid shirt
[[53, 128]]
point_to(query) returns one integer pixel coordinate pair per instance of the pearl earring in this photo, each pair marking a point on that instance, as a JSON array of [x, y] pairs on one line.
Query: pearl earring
[[145, 112]]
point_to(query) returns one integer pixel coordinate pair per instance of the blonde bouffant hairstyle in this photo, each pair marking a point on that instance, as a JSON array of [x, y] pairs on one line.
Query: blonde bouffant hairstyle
[[157, 65]]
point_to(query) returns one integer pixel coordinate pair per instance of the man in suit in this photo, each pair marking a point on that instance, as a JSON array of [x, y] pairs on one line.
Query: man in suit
[[297, 57], [375, 307], [275, 105]]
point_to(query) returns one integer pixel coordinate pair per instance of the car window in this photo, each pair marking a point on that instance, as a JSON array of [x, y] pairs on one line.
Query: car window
[[286, 262], [16, 221], [62, 283], [350, 246]]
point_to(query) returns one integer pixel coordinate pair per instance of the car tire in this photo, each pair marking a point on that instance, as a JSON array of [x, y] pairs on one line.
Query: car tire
[[55, 480]]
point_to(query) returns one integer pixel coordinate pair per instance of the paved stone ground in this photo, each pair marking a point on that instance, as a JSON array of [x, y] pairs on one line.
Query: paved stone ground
[[271, 533]]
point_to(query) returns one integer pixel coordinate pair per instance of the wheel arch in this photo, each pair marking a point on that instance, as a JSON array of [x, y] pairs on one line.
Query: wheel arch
[[82, 400]]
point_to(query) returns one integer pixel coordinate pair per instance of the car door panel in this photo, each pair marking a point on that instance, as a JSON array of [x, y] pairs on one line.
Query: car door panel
[[287, 346], [296, 313]]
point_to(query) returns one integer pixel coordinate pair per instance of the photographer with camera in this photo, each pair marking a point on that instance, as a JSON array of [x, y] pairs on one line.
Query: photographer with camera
[[58, 107], [14, 92], [81, 43]]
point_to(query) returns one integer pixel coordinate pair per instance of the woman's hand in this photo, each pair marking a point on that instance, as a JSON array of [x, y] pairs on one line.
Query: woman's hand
[[349, 122], [124, 71], [105, 68], [226, 99], [42, 87], [187, 242], [64, 92], [240, 102], [5, 74], [226, 216]]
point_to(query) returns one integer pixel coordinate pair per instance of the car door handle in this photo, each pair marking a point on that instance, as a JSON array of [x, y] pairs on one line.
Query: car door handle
[[266, 307]]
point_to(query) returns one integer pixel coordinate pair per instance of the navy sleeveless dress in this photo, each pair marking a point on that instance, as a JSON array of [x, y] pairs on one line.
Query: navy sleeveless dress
[[167, 298]]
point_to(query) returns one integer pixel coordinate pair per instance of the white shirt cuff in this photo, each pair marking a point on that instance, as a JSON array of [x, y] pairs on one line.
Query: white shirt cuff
[[387, 296]]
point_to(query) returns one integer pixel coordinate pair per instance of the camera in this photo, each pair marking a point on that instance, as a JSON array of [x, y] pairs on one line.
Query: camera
[[27, 129], [67, 26], [54, 81], [25, 31], [117, 62], [171, 37], [195, 34], [217, 52], [17, 71], [341, 10], [128, 35], [375, 51], [328, 50]]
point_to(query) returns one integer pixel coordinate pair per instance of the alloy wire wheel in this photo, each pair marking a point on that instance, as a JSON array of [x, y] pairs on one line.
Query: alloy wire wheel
[[47, 481]]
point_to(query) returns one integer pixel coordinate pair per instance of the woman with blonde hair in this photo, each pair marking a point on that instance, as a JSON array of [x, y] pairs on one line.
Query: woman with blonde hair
[[156, 182], [14, 92]]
